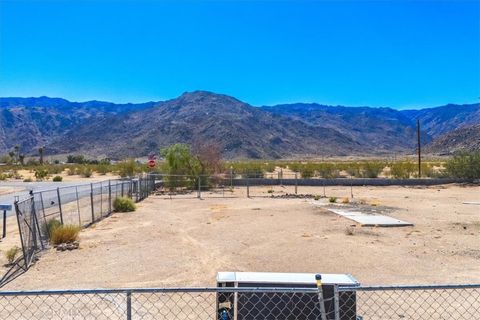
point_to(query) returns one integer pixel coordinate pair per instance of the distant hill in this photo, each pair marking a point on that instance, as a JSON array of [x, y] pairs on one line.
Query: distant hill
[[240, 130], [381, 129], [440, 120], [462, 139], [34, 122], [97, 128]]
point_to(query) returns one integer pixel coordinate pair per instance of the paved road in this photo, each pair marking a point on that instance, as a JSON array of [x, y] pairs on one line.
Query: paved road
[[23, 189]]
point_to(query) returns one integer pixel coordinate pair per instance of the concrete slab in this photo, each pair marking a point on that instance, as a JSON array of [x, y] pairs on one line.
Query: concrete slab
[[370, 220]]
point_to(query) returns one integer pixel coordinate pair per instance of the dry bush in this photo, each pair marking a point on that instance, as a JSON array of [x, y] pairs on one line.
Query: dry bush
[[11, 254], [349, 231], [345, 200], [64, 234]]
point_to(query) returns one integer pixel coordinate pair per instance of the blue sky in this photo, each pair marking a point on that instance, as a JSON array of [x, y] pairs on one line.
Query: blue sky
[[400, 54]]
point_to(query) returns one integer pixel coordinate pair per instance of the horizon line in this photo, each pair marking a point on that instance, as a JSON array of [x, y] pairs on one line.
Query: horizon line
[[255, 106]]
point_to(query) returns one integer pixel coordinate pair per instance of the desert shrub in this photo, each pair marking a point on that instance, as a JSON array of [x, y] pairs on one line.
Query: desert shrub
[[71, 171], [64, 234], [251, 169], [270, 191], [86, 172], [27, 180], [316, 197], [11, 254], [55, 169], [49, 226], [402, 169], [126, 168], [327, 170], [103, 169], [349, 231], [332, 199], [371, 169], [41, 173], [123, 204], [269, 167], [57, 179], [307, 171], [464, 165], [345, 200], [3, 176], [353, 169]]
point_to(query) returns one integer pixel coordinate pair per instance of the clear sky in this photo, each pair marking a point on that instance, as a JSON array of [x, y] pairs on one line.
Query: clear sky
[[379, 53]]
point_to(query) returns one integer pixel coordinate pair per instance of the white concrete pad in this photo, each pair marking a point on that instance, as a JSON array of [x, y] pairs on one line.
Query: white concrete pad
[[370, 220]]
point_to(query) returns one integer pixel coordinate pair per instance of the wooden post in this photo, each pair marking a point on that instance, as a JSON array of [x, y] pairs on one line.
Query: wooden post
[[419, 150]]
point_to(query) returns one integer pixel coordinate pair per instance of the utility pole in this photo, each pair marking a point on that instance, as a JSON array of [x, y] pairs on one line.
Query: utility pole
[[419, 150]]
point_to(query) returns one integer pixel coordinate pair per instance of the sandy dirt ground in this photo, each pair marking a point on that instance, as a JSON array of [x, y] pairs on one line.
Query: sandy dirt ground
[[186, 241]]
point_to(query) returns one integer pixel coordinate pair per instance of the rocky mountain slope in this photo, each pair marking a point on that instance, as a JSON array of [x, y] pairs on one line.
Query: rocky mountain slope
[[240, 130], [462, 139]]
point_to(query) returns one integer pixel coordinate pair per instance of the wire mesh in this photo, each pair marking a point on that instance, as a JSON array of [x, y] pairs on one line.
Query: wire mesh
[[356, 303]]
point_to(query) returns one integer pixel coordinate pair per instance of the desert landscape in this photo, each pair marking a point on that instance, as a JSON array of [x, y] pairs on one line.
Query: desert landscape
[[185, 241]]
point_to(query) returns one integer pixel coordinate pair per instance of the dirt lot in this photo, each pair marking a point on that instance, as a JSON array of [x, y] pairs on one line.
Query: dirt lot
[[185, 242]]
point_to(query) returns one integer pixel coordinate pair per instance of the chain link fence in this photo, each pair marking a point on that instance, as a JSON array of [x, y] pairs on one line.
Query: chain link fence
[[342, 303], [80, 205]]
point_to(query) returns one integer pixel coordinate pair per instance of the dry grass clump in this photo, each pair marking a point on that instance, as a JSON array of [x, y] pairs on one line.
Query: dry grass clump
[[64, 234], [350, 231], [11, 254], [345, 200]]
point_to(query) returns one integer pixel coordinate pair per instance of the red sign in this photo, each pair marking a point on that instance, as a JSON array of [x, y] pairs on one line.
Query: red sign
[[151, 163]]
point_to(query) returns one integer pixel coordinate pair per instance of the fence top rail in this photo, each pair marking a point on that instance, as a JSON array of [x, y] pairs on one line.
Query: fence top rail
[[232, 289], [158, 290], [411, 287]]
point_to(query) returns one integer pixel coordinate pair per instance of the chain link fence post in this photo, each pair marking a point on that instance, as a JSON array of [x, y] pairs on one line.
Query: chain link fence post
[[109, 197], [60, 205], [129, 305], [91, 202]]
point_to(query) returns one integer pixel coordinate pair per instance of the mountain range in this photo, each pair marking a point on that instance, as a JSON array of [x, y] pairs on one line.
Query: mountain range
[[103, 129]]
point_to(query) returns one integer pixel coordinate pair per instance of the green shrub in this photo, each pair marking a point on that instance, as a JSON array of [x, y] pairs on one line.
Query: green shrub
[[49, 226], [57, 179], [86, 172], [3, 177], [127, 168], [332, 199], [27, 180], [307, 171], [64, 234], [41, 173], [103, 169], [464, 165], [55, 169], [372, 169], [123, 204], [402, 169], [316, 197], [11, 254]]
